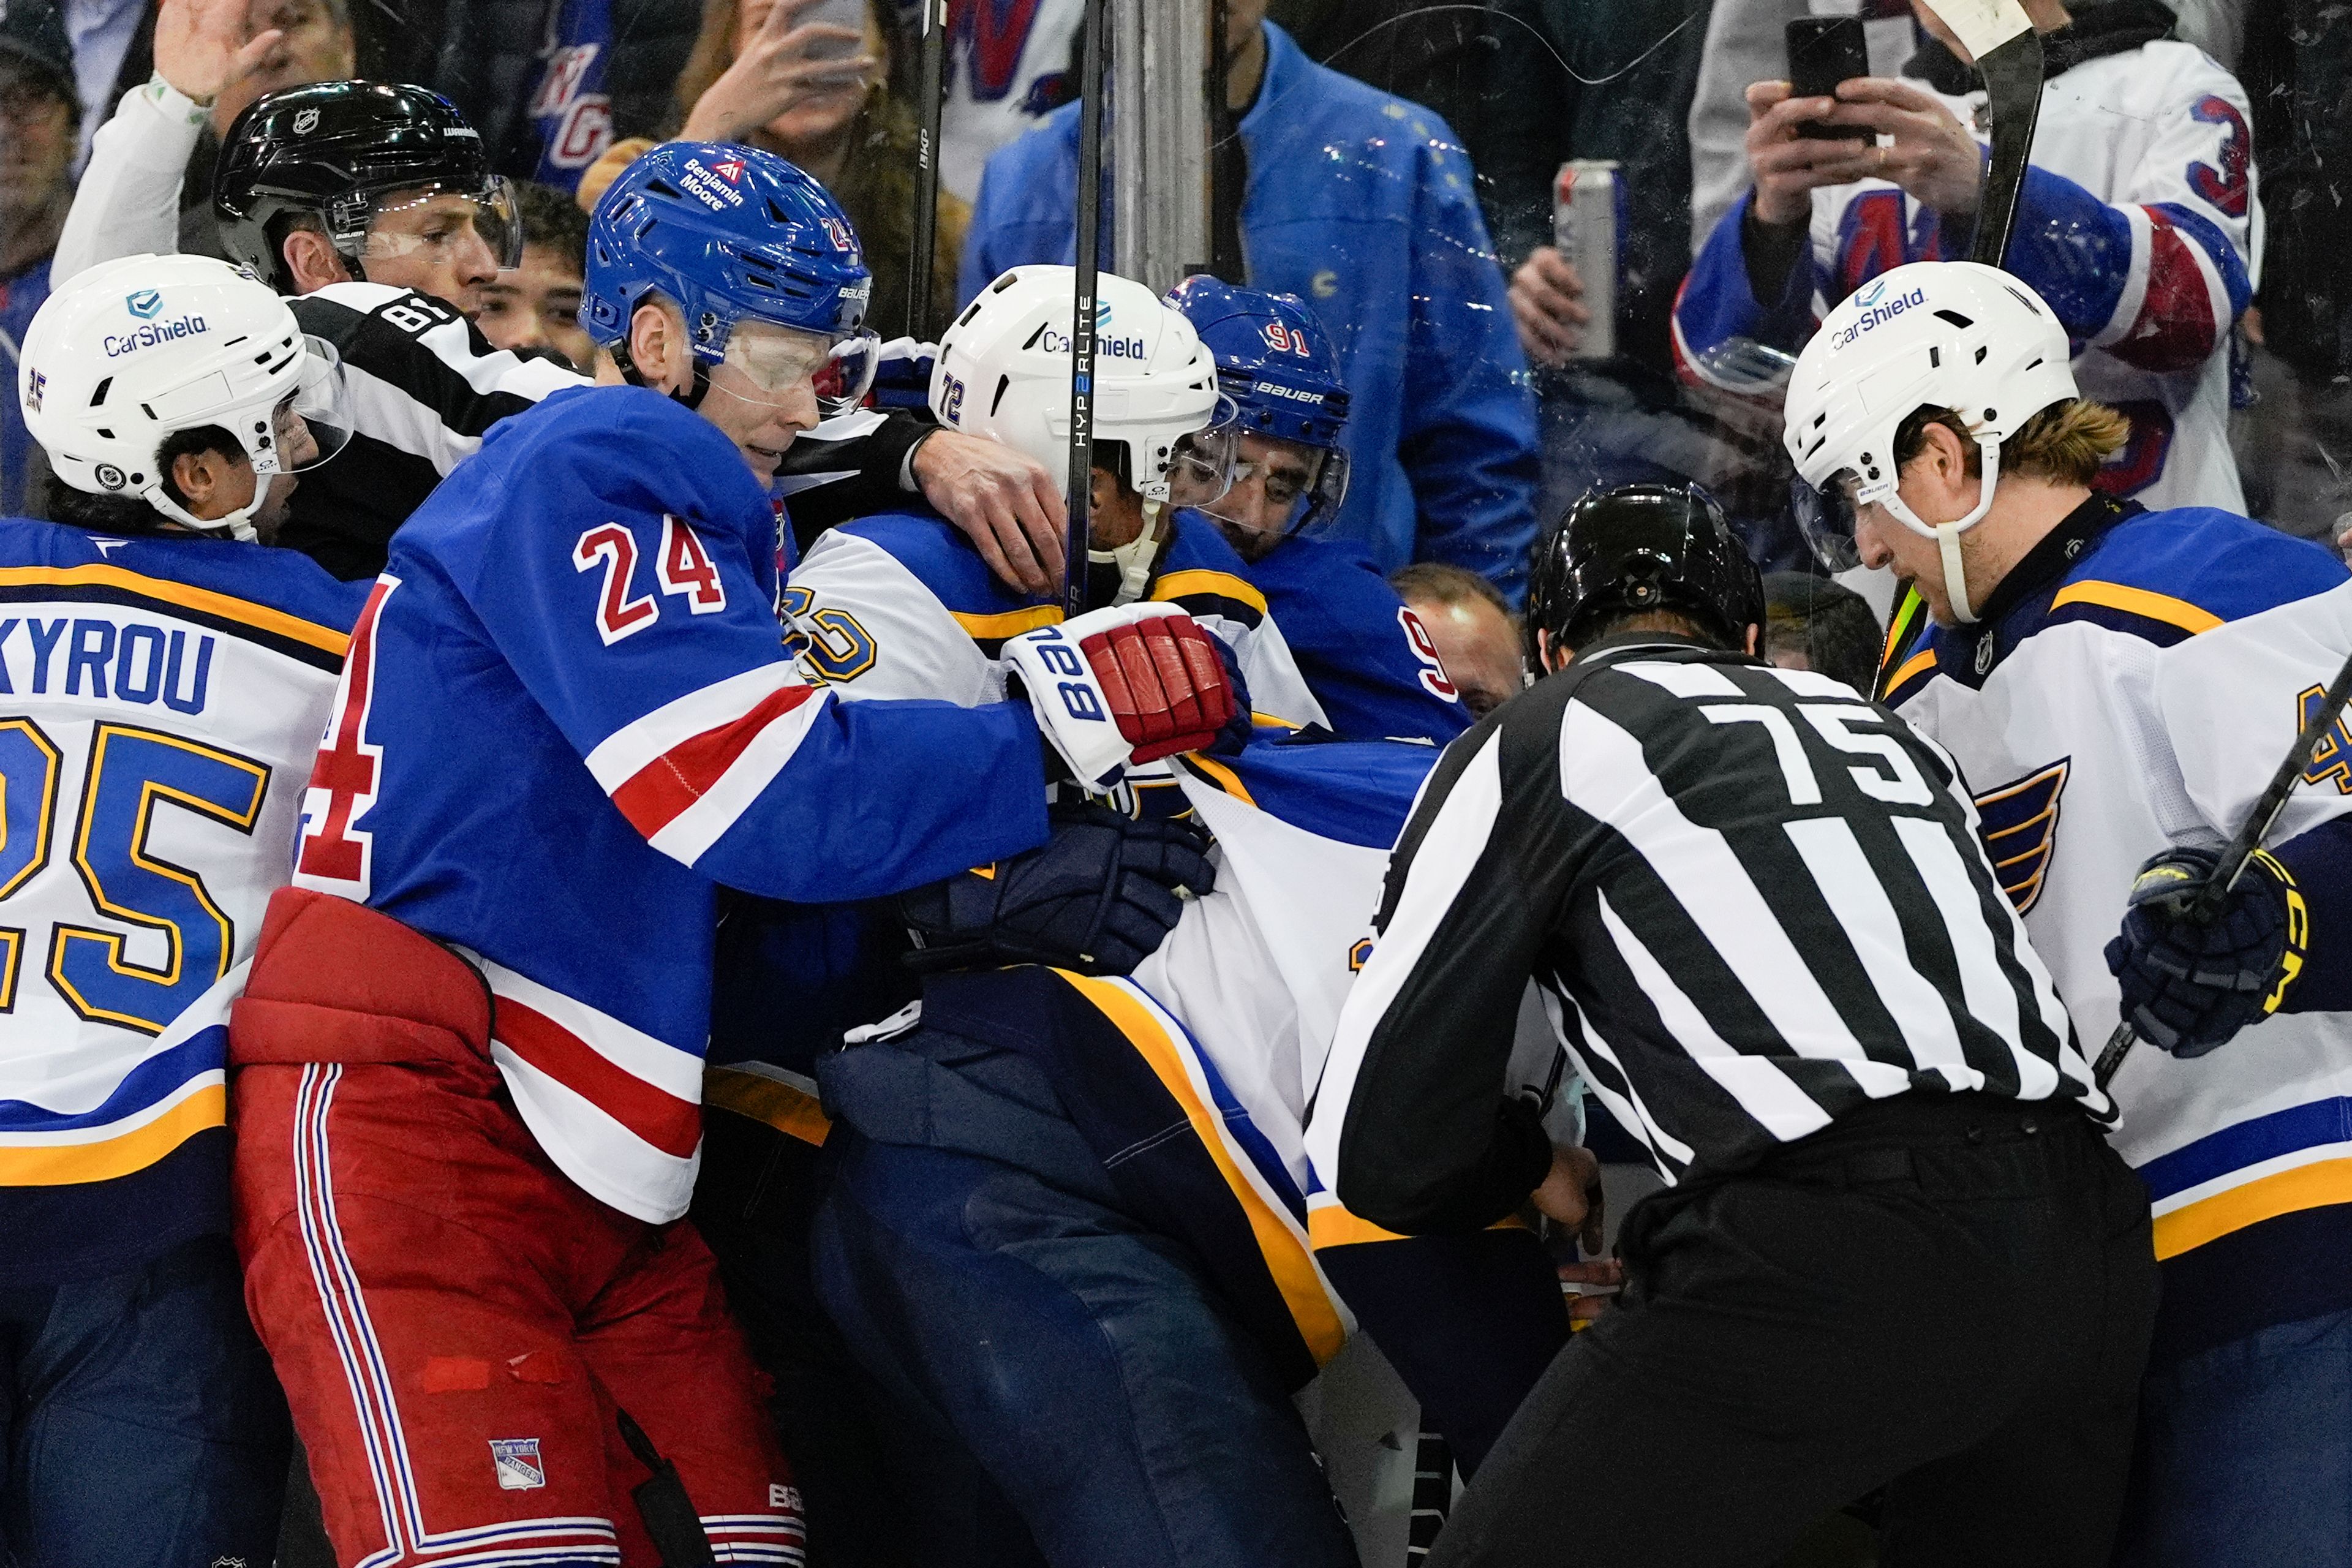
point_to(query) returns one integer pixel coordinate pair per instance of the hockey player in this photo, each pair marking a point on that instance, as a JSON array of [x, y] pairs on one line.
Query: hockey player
[[1367, 657], [928, 617], [169, 679], [566, 719], [2118, 686], [2137, 225], [377, 205], [1895, 1248]]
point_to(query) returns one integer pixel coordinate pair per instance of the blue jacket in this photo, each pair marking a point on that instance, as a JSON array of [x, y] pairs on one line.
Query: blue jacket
[[1361, 204], [1366, 659]]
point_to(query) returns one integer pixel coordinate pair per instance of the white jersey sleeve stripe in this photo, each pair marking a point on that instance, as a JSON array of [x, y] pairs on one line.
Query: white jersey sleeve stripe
[[626, 752]]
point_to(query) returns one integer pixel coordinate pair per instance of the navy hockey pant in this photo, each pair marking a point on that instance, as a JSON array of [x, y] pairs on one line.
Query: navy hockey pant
[[1947, 1295], [140, 1422], [1085, 1360]]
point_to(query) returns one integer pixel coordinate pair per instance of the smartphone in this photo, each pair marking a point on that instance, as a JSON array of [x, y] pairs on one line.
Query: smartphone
[[1822, 52], [849, 13]]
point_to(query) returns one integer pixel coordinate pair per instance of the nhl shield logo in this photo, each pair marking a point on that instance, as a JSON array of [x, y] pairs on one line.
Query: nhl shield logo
[[305, 122], [517, 1462]]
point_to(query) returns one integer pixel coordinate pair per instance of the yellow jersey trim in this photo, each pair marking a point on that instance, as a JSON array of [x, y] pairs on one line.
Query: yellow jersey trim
[[66, 1165], [792, 1111], [1333, 1224], [1917, 664], [1008, 623], [2311, 1186], [1224, 777], [1200, 580], [244, 610], [1279, 1238], [2162, 607]]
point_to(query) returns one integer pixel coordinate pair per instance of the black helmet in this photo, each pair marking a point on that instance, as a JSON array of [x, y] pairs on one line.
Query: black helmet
[[1640, 547], [334, 150]]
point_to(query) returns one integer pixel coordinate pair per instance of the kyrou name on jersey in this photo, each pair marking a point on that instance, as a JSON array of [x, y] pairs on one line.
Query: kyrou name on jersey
[[129, 662]]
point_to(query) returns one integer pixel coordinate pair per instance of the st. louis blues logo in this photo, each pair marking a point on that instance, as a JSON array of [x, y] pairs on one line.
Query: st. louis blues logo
[[2021, 829], [146, 304], [2331, 760]]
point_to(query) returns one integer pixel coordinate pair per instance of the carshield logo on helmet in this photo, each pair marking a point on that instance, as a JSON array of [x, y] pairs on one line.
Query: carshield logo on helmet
[[1875, 314], [144, 304]]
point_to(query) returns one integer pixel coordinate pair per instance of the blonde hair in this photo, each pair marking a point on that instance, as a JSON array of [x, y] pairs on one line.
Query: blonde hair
[[2064, 444]]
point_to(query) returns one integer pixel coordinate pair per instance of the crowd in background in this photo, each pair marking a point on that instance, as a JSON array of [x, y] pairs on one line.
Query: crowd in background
[[567, 92]]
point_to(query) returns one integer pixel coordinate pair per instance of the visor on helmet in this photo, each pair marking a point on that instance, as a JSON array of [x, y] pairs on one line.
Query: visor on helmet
[[321, 403], [1290, 504], [777, 361], [1826, 516], [496, 219]]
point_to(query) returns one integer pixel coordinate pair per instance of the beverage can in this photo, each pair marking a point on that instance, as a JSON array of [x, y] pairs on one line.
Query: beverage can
[[1588, 216]]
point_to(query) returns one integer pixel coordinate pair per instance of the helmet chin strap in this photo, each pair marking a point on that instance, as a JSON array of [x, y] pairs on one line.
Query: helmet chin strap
[[1134, 559], [236, 525], [1946, 535]]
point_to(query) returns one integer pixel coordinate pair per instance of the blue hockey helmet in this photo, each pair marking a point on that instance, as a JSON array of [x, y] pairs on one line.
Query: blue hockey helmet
[[1276, 364], [731, 234]]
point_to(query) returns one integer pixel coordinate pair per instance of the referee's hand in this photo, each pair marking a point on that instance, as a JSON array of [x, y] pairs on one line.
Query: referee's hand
[[1570, 1195]]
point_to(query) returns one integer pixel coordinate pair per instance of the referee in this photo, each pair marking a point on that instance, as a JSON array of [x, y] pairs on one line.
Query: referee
[[1895, 1249]]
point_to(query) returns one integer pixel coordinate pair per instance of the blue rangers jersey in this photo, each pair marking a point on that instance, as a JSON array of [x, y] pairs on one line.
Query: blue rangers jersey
[[159, 701], [1369, 660], [2132, 685], [2138, 224], [569, 716]]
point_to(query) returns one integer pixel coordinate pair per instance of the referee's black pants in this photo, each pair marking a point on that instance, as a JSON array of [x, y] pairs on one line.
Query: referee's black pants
[[1950, 1296]]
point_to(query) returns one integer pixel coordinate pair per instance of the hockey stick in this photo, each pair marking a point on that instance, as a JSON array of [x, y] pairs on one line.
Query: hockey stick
[[2240, 851], [1082, 311], [927, 169], [2009, 54]]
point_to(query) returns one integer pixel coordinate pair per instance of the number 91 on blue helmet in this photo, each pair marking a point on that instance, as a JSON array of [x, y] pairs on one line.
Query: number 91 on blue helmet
[[1277, 367], [758, 259]]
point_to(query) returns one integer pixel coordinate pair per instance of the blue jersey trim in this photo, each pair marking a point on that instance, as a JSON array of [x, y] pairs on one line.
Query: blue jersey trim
[[2320, 1122]]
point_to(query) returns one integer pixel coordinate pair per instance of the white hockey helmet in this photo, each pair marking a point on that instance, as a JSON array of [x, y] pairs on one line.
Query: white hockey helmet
[[1003, 372], [1940, 334], [135, 350]]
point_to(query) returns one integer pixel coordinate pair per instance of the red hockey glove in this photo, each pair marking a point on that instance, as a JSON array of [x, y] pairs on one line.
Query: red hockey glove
[[1123, 686]]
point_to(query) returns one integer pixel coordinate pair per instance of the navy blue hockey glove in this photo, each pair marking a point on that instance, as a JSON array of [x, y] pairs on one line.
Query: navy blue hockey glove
[[2189, 988], [1239, 729], [1097, 897]]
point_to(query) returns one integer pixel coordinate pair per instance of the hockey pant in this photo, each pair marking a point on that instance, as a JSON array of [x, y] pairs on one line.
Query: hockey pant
[[996, 1278], [460, 1330], [140, 1423]]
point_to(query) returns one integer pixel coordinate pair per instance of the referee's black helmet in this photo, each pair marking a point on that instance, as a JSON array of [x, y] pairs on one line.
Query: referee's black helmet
[[1628, 549], [333, 151]]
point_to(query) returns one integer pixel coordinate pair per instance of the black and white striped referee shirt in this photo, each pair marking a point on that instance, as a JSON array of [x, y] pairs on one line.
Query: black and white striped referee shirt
[[1754, 903]]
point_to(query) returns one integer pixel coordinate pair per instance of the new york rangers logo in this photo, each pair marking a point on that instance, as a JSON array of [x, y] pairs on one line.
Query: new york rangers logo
[[518, 1463], [2021, 830]]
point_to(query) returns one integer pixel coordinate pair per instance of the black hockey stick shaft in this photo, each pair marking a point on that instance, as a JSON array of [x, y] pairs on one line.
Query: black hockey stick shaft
[[927, 169], [2240, 851], [2012, 73], [1082, 311]]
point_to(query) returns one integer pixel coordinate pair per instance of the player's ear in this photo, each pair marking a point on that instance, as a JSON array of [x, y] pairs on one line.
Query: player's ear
[[657, 345], [312, 261], [207, 481]]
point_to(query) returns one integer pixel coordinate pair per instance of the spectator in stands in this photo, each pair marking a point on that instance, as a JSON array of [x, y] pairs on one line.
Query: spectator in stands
[[2136, 225], [537, 304], [1538, 112], [39, 114], [1478, 637], [1362, 204], [1812, 623], [760, 75]]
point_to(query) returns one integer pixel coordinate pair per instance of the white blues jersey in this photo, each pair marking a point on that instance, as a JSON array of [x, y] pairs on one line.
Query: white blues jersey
[[2132, 685], [161, 698]]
